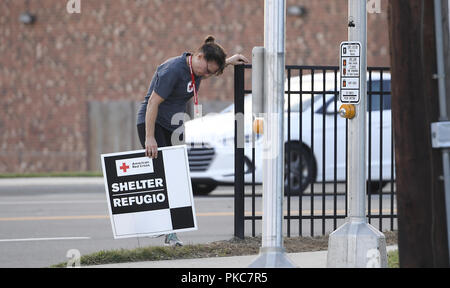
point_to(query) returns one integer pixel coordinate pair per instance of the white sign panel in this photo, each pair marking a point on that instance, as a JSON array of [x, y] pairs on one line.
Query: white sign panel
[[149, 196], [134, 166], [350, 69]]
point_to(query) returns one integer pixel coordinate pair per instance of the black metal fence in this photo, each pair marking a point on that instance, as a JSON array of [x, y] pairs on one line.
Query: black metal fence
[[316, 150]]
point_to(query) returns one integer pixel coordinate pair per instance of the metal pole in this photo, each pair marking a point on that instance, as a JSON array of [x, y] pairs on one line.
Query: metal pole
[[272, 252], [357, 126], [239, 152], [443, 116], [357, 243], [274, 96]]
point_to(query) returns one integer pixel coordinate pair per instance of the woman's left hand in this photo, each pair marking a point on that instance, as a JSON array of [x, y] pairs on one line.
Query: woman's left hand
[[236, 59]]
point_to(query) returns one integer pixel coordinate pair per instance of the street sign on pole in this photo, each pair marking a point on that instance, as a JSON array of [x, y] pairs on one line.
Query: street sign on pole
[[350, 66], [356, 244]]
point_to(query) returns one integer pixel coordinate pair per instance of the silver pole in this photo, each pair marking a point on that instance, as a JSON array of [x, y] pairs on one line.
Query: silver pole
[[274, 28], [357, 243], [272, 252], [443, 116], [357, 126]]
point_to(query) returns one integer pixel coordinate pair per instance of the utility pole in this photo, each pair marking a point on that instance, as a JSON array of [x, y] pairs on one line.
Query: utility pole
[[356, 244], [422, 229]]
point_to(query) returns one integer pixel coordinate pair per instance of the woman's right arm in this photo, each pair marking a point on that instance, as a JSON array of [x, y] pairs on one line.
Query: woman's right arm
[[151, 147]]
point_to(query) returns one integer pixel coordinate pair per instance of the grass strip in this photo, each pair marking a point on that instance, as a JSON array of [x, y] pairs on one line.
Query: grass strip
[[233, 247], [393, 261]]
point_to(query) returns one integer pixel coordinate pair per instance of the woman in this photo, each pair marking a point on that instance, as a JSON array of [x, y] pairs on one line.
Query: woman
[[174, 83]]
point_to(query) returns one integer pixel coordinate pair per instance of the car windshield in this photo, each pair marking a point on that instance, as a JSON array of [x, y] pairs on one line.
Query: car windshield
[[247, 105], [294, 101]]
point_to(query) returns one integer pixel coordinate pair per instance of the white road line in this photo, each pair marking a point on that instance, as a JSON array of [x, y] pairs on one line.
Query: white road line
[[44, 239]]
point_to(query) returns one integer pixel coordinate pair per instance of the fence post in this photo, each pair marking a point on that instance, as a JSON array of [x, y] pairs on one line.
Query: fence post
[[239, 151]]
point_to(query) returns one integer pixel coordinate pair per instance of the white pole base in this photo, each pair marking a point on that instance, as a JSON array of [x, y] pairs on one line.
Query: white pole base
[[357, 244], [272, 257]]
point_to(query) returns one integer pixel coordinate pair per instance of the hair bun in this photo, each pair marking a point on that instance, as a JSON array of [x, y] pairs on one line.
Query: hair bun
[[209, 39]]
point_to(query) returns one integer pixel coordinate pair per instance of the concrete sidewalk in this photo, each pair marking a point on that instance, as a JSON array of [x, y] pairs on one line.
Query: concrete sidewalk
[[317, 259]]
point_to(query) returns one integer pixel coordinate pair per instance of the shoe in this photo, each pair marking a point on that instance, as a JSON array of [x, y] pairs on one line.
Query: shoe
[[172, 240]]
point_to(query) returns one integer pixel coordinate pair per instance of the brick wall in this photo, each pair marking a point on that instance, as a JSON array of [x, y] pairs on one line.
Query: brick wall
[[50, 70]]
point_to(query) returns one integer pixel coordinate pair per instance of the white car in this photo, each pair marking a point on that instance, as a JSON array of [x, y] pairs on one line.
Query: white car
[[210, 139]]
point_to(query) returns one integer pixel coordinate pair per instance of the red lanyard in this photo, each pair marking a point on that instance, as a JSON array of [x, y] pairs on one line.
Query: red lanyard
[[195, 88]]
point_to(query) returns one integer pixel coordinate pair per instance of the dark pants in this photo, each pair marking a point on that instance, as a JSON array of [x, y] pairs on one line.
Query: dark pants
[[163, 136]]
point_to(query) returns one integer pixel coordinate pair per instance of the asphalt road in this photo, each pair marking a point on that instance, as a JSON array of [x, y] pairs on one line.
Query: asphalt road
[[43, 221]]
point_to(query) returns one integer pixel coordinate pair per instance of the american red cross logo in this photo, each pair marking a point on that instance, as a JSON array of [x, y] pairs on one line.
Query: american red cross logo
[[124, 167]]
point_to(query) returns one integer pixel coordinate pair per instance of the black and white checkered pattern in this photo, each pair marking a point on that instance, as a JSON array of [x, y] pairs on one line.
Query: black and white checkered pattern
[[147, 204]]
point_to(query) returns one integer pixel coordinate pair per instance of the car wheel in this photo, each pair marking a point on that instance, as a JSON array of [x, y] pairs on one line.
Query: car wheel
[[302, 169], [203, 189]]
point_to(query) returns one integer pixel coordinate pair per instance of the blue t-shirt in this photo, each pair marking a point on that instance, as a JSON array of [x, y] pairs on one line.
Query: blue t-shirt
[[171, 81]]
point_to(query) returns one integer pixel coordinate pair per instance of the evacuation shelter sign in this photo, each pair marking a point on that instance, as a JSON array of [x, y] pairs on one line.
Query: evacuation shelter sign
[[149, 196]]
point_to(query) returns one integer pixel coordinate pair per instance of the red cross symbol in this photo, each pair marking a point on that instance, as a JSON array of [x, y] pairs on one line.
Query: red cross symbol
[[124, 167]]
